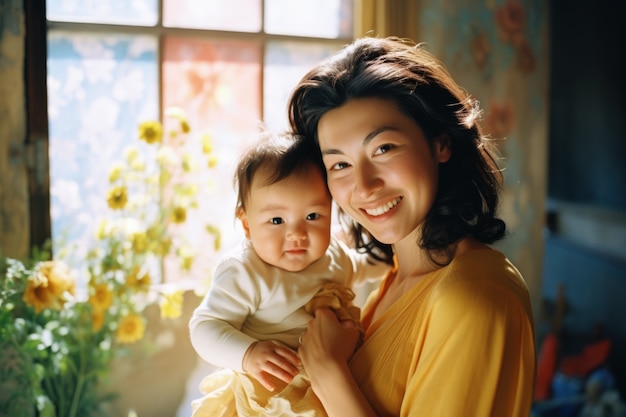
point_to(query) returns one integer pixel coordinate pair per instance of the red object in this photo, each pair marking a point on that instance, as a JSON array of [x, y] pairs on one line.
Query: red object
[[591, 358], [546, 366]]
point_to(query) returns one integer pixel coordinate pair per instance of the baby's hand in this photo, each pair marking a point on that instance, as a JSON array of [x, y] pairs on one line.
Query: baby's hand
[[269, 358]]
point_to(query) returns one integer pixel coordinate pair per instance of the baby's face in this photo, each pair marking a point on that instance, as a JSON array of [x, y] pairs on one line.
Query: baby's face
[[288, 222]]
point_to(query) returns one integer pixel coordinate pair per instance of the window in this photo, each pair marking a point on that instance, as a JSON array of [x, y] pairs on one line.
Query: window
[[229, 64]]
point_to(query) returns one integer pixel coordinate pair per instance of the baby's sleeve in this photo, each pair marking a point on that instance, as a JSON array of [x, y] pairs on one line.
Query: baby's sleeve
[[215, 326]]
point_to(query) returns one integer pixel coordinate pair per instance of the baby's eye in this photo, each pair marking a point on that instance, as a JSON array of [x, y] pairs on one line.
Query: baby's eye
[[383, 149], [313, 216], [277, 220]]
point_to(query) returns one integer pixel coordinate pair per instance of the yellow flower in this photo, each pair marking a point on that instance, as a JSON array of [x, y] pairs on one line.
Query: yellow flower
[[179, 214], [155, 232], [97, 320], [151, 132], [49, 286], [186, 255], [131, 153], [138, 282], [130, 328], [207, 143], [178, 113], [101, 297], [212, 160], [172, 305], [217, 243], [163, 247], [139, 242], [115, 172], [117, 197], [103, 229], [189, 164]]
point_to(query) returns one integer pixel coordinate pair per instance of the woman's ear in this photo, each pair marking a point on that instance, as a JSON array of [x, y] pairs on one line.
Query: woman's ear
[[241, 215], [443, 148]]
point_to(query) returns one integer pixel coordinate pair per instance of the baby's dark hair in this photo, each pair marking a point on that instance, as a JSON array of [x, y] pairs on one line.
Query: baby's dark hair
[[275, 156], [401, 71]]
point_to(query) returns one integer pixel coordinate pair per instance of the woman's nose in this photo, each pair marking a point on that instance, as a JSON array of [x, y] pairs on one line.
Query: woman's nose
[[367, 180]]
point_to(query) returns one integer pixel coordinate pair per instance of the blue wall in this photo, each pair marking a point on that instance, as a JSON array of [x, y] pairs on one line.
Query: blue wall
[[587, 167]]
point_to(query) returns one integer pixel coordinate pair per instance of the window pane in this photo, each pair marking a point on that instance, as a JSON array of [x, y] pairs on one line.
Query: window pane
[[99, 88], [136, 12], [319, 18], [285, 64], [218, 85], [232, 15]]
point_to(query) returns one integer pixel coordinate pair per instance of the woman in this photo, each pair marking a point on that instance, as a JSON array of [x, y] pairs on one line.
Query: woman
[[449, 332]]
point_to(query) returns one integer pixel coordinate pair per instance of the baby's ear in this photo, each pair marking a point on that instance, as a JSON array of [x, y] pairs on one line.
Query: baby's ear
[[241, 215]]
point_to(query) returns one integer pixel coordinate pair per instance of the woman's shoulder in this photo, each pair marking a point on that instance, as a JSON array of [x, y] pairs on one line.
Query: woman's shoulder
[[474, 260], [483, 274]]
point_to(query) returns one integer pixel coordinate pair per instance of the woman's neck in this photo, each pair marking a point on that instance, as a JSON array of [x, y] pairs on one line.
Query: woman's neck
[[414, 261]]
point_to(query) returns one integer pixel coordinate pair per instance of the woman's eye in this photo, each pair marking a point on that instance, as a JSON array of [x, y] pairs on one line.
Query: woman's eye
[[313, 216], [338, 166], [383, 149], [277, 220]]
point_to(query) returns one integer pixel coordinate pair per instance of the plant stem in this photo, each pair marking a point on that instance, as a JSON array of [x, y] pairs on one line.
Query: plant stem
[[80, 381]]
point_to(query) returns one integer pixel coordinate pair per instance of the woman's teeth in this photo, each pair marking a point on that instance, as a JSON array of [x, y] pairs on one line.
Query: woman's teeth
[[384, 208]]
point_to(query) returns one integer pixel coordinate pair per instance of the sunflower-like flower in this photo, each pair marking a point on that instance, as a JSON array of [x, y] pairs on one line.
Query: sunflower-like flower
[[138, 280], [171, 304], [139, 242], [116, 172], [49, 286], [130, 328], [117, 197], [179, 214], [100, 297], [151, 131], [131, 153]]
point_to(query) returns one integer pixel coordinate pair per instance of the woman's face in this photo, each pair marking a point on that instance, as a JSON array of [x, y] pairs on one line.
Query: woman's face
[[381, 170]]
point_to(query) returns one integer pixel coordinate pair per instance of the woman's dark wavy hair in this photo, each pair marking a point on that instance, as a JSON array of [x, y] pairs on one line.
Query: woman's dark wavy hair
[[397, 69]]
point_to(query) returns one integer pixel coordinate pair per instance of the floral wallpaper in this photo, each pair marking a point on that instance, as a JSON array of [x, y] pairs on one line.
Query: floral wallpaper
[[498, 51]]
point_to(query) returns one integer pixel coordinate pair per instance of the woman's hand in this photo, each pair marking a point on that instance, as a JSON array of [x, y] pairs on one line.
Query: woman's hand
[[269, 358], [327, 341], [325, 350]]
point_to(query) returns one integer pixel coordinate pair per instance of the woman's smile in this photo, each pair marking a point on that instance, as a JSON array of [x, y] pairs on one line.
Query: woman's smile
[[383, 208]]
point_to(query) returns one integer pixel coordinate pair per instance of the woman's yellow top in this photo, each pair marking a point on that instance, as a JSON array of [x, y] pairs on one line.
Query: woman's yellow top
[[460, 343]]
